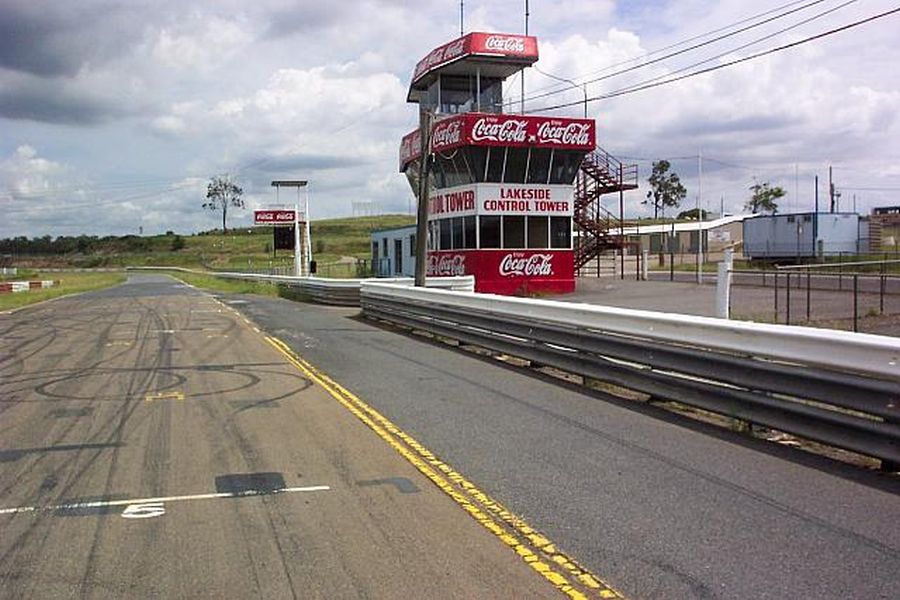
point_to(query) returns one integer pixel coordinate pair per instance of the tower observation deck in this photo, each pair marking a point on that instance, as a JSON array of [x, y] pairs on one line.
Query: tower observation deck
[[502, 199]]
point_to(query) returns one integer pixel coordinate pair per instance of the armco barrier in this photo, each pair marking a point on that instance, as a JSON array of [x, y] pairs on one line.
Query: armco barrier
[[836, 387], [339, 292], [345, 292]]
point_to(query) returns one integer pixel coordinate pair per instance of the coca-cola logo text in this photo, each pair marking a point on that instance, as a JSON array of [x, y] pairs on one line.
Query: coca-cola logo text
[[505, 44], [536, 265], [446, 134], [510, 131], [447, 265], [568, 134]]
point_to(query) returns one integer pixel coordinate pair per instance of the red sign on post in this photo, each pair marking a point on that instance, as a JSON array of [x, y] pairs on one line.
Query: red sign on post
[[273, 217]]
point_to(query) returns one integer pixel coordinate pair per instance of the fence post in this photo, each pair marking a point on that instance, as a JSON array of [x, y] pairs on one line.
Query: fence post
[[776, 297], [645, 259], [723, 286], [807, 293], [788, 299], [855, 302], [881, 290]]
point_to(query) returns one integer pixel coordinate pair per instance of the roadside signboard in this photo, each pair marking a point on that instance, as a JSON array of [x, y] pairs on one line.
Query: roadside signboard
[[274, 217]]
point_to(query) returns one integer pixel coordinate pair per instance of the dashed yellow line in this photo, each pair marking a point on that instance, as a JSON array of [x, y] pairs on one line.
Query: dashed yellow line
[[484, 509]]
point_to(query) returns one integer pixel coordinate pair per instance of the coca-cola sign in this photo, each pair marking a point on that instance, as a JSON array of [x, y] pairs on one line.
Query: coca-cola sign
[[446, 134], [521, 48], [505, 43], [447, 265], [564, 133], [273, 217], [502, 130], [512, 131], [521, 265]]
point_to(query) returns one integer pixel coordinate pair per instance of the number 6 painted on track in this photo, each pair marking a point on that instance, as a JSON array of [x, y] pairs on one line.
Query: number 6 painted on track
[[144, 511]]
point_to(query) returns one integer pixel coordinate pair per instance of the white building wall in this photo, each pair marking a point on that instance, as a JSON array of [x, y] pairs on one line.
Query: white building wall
[[387, 264]]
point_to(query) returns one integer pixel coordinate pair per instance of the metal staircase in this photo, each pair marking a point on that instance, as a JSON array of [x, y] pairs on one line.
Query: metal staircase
[[596, 228]]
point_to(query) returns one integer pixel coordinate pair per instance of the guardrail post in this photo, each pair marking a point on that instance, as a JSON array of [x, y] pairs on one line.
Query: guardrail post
[[723, 286]]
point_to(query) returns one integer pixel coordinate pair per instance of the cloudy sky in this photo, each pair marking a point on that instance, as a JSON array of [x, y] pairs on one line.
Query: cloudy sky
[[114, 114]]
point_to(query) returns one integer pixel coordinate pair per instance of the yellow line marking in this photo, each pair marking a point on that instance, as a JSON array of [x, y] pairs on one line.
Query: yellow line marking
[[470, 498], [164, 396]]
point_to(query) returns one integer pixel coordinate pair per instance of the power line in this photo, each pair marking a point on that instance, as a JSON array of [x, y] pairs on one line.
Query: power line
[[681, 43], [689, 49], [645, 86], [744, 46]]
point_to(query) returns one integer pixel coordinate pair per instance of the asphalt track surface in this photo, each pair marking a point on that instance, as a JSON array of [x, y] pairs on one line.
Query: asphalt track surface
[[154, 445], [658, 506]]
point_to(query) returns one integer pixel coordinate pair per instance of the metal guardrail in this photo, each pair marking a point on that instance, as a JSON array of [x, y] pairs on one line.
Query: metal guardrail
[[835, 387], [337, 292], [346, 292]]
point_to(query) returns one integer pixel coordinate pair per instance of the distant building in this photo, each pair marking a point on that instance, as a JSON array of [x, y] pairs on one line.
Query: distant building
[[801, 235], [394, 252], [884, 228], [683, 237]]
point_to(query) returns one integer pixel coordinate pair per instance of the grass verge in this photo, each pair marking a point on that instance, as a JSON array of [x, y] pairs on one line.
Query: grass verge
[[69, 283], [228, 286]]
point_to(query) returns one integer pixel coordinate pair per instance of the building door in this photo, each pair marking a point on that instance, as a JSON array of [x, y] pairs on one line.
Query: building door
[[398, 254]]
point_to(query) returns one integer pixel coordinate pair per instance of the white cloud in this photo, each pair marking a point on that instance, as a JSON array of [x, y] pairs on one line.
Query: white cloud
[[279, 88], [25, 175]]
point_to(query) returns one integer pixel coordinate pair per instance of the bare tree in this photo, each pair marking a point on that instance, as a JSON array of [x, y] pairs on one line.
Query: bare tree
[[222, 192]]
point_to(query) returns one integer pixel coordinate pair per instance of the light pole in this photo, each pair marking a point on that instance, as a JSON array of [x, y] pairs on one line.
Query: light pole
[[297, 183], [583, 87]]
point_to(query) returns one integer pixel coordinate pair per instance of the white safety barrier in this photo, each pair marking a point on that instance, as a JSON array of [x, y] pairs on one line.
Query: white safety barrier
[[837, 387]]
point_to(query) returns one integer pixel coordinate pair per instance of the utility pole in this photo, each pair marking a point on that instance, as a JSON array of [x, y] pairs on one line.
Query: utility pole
[[522, 101], [815, 236], [830, 189], [461, 18], [700, 216], [422, 215]]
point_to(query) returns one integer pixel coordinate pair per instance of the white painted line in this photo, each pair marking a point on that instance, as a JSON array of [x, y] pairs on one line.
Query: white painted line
[[217, 495]]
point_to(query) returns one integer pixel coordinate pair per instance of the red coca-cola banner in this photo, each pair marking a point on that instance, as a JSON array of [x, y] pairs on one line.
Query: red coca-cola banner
[[494, 44], [508, 271], [273, 217], [483, 129]]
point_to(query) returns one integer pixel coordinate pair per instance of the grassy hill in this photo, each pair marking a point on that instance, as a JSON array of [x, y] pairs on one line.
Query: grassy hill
[[238, 249]]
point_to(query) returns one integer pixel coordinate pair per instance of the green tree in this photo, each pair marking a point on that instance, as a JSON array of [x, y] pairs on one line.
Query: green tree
[[666, 188], [691, 215], [764, 197], [222, 192]]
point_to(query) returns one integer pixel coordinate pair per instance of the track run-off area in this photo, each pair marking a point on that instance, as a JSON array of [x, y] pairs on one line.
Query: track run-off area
[[157, 440]]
